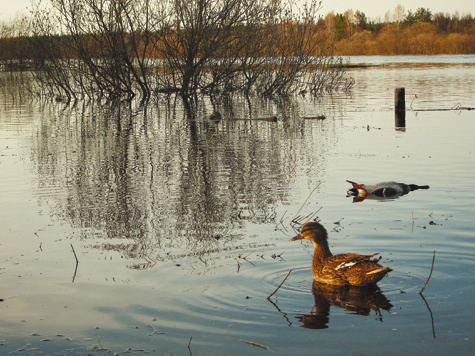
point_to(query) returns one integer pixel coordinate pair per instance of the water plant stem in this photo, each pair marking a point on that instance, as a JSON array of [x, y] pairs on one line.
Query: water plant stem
[[430, 274], [270, 295], [306, 200]]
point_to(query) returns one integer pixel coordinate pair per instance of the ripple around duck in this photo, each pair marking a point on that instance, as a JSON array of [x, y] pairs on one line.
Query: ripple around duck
[[234, 308]]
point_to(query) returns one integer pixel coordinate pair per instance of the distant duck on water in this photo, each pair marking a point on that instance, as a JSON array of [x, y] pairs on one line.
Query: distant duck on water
[[382, 190], [346, 269]]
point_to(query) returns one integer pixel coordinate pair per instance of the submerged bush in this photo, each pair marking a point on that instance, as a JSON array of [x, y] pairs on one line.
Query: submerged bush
[[125, 48]]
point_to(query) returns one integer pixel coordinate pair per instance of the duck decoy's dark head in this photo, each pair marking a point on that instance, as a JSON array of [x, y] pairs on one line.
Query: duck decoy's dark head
[[358, 190], [312, 231]]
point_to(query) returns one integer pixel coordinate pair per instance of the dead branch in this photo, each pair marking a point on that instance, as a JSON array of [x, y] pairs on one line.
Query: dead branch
[[189, 345], [77, 263], [430, 274], [306, 200], [270, 295]]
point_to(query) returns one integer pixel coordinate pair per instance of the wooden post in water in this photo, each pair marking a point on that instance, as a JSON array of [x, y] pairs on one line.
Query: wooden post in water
[[400, 107]]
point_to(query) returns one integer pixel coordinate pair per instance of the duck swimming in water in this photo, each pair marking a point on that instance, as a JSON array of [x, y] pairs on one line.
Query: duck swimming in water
[[346, 269], [382, 190]]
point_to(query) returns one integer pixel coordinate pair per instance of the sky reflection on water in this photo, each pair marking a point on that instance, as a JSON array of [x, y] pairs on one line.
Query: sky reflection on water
[[181, 226]]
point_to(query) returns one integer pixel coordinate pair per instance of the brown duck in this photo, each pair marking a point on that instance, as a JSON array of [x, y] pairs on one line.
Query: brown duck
[[343, 269]]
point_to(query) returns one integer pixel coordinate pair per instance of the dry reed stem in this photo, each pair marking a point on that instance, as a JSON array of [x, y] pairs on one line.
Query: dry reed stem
[[270, 295], [430, 274], [306, 200], [189, 345], [75, 254], [77, 263]]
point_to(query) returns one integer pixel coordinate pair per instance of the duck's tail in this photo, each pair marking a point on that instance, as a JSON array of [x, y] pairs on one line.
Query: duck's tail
[[380, 270], [374, 276]]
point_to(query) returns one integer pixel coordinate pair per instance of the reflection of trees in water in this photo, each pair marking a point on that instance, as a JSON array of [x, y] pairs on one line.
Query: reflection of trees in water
[[152, 181]]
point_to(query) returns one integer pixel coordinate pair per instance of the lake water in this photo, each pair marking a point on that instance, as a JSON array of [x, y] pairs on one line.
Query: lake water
[[181, 226]]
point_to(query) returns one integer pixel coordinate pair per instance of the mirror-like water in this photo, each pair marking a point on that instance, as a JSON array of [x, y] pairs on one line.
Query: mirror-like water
[[181, 226]]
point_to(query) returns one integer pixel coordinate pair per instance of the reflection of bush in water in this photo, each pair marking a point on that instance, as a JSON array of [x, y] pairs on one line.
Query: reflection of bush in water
[[149, 187]]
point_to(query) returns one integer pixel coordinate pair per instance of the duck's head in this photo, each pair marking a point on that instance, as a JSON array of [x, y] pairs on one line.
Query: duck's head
[[312, 231], [358, 190]]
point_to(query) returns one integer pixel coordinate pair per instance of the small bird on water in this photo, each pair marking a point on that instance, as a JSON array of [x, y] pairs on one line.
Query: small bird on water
[[346, 269]]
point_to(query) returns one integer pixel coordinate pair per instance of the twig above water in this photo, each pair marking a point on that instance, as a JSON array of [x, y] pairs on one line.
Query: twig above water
[[430, 274], [75, 256], [270, 295], [298, 220], [189, 345], [77, 263], [306, 200]]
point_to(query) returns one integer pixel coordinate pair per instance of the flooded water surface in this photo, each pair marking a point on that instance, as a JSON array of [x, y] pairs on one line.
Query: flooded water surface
[[150, 230]]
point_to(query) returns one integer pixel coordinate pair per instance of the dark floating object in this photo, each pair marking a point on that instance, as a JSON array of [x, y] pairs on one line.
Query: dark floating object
[[319, 117], [381, 191], [346, 269], [355, 300], [400, 108]]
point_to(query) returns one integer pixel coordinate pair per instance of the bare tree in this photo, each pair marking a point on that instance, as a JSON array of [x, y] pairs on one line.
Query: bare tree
[[121, 48], [206, 42]]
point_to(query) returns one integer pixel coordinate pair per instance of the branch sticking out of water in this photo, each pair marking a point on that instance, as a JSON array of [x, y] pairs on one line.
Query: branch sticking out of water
[[270, 295], [430, 274], [189, 345], [77, 263], [306, 200]]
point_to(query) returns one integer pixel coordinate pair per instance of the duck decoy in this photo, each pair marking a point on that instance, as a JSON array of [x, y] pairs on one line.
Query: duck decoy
[[346, 269], [382, 190]]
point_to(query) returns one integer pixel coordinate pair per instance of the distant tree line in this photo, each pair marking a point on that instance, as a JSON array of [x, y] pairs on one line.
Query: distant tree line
[[402, 32], [123, 48]]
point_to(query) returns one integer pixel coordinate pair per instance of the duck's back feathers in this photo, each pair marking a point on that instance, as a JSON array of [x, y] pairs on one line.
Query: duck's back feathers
[[346, 260], [350, 269]]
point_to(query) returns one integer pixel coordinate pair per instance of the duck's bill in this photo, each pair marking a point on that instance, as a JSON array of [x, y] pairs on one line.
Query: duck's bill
[[298, 237]]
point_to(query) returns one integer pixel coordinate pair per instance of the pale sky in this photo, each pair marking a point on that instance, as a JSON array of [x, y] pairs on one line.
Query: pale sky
[[373, 9]]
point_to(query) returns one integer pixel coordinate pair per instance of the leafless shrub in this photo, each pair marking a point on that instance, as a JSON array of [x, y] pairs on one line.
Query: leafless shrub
[[121, 48]]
